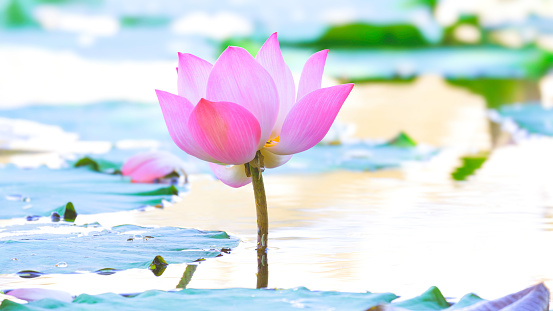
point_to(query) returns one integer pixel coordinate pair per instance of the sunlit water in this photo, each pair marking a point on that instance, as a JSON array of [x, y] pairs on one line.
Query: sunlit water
[[400, 231]]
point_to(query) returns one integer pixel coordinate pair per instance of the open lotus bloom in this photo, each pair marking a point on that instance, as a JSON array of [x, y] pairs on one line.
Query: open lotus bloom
[[224, 113], [155, 166]]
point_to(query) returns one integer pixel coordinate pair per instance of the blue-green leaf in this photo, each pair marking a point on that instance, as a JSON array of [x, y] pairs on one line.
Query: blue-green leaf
[[432, 299], [402, 140], [43, 191], [535, 298], [67, 248], [215, 299], [470, 164], [99, 165]]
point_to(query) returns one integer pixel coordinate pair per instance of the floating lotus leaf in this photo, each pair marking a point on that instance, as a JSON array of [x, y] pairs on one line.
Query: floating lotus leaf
[[215, 299], [402, 140], [43, 191], [99, 165], [535, 298], [66, 248]]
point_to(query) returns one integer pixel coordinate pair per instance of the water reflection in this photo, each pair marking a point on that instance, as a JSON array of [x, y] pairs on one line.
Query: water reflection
[[187, 276], [353, 231]]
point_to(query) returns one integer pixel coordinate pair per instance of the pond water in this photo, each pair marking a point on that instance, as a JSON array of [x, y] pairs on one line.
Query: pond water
[[391, 231], [397, 230]]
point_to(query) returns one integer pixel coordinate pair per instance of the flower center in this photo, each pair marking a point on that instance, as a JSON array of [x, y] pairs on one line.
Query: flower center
[[272, 142]]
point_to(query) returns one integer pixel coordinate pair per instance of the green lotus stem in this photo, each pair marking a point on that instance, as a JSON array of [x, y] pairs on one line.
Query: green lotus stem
[[255, 169], [262, 269]]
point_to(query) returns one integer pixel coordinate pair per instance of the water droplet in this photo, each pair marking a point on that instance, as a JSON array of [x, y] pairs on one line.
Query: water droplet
[[61, 264]]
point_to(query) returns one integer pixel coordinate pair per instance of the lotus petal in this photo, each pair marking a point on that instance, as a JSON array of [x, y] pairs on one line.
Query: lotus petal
[[270, 57], [273, 160], [151, 171], [312, 74], [231, 175], [236, 77], [176, 112], [192, 77], [226, 131], [310, 119], [138, 159], [149, 166]]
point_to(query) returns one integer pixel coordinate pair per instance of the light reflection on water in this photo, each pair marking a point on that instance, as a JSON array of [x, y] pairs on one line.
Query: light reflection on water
[[403, 236], [347, 231]]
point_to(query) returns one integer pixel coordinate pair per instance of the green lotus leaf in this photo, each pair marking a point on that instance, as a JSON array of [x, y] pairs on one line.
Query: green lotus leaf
[[67, 248]]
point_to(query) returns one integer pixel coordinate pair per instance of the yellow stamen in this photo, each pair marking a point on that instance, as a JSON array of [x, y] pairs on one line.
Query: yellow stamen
[[271, 143]]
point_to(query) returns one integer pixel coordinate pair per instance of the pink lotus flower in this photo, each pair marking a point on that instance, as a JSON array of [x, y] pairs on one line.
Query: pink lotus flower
[[224, 113], [155, 166]]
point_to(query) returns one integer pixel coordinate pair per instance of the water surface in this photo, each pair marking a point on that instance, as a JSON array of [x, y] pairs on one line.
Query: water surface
[[400, 230]]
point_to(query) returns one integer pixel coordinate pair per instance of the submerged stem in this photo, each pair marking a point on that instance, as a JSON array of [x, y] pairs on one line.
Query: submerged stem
[[255, 168]]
